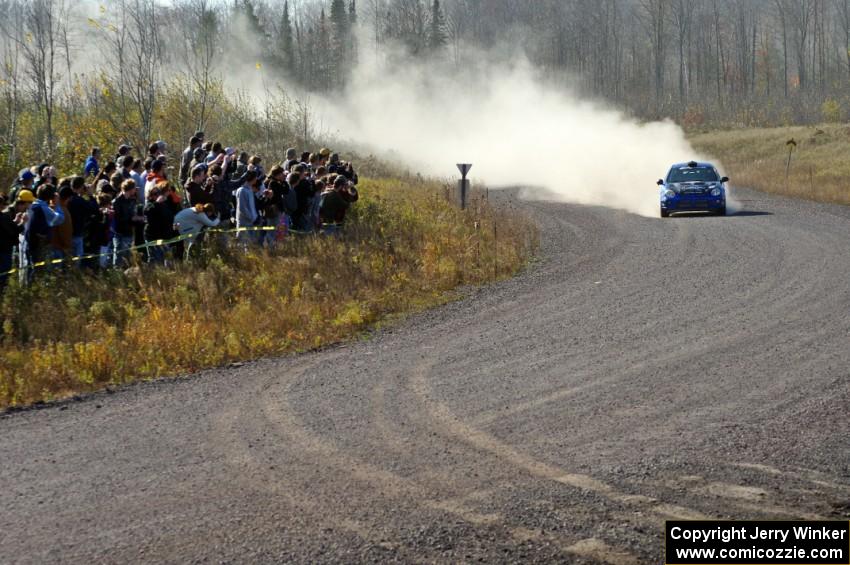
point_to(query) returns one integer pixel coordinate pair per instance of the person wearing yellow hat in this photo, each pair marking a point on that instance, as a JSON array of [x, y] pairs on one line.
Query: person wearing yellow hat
[[25, 197], [12, 222]]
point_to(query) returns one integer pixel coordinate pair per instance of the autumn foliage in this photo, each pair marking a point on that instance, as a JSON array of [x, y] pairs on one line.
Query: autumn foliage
[[405, 247]]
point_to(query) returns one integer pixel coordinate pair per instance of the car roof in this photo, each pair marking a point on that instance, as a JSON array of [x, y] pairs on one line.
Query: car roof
[[686, 164]]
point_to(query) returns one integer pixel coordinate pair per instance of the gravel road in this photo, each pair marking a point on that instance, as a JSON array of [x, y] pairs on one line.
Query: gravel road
[[641, 370]]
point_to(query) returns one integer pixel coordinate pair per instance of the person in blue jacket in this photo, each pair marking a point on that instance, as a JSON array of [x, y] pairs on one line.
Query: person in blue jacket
[[43, 215], [92, 167], [246, 207]]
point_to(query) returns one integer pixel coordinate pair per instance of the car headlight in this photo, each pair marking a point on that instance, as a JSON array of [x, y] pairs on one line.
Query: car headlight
[[669, 193], [716, 191]]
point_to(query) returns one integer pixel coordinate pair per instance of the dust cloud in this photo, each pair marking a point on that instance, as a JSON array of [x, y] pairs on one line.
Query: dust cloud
[[513, 129], [492, 110]]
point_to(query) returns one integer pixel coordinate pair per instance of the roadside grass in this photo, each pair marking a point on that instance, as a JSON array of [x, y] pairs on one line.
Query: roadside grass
[[405, 248], [756, 158]]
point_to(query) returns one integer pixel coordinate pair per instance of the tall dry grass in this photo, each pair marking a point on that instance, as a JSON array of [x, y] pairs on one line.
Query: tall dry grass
[[757, 158], [406, 246]]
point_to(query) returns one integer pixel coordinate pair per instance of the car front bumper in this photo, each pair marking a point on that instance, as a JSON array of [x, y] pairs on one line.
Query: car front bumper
[[693, 203]]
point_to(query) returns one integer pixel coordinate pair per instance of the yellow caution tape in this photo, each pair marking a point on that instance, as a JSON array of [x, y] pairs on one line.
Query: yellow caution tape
[[159, 242]]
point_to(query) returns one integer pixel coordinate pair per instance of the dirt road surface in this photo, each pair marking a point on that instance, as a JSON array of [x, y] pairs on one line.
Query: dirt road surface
[[641, 370]]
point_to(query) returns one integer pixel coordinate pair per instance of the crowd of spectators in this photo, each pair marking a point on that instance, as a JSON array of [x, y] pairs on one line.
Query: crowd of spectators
[[128, 207]]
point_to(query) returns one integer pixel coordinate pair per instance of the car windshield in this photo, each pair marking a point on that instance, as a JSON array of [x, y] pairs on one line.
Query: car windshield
[[689, 174]]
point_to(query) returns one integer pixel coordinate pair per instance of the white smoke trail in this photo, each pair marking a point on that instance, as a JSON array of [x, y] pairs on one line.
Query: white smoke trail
[[515, 131]]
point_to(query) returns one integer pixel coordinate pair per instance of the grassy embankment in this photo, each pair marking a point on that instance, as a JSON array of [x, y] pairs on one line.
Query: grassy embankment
[[756, 158], [406, 247]]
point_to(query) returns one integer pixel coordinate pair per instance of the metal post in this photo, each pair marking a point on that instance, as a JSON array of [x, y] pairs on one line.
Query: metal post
[[464, 184], [464, 187]]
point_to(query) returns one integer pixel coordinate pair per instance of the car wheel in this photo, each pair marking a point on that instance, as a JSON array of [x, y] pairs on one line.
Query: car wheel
[[664, 213], [721, 211]]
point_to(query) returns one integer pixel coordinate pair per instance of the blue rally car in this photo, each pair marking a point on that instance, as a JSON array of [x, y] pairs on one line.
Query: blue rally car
[[693, 187]]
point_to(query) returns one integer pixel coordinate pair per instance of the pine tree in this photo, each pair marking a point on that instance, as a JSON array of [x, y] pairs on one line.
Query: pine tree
[[352, 15], [339, 19], [352, 33], [338, 56], [285, 41], [437, 37], [307, 59], [247, 10], [325, 66], [253, 34]]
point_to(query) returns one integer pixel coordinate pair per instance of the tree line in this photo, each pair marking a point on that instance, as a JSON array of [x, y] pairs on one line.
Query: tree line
[[137, 67], [701, 62]]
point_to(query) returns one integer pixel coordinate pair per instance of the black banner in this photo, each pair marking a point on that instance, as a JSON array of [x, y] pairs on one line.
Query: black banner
[[739, 542]]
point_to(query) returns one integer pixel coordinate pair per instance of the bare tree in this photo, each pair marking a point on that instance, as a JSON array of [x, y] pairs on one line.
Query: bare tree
[[842, 8], [683, 13], [654, 16], [199, 31], [801, 13], [456, 25], [745, 33], [42, 23], [134, 48], [146, 62], [11, 76]]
